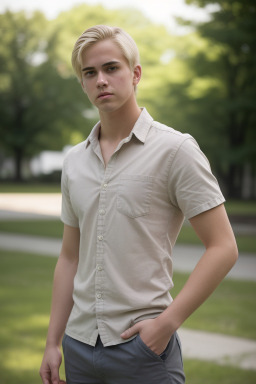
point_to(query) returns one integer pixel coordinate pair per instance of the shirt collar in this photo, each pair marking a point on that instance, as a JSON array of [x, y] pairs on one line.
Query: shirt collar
[[93, 138], [140, 129], [142, 125]]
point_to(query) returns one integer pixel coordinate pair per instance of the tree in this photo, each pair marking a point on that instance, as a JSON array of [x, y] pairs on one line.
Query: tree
[[41, 103], [153, 41], [228, 64], [38, 106]]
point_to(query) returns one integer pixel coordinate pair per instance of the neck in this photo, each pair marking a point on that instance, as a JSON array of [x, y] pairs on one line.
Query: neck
[[117, 125]]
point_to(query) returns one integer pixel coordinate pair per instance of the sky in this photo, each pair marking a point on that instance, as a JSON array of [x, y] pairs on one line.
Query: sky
[[159, 11]]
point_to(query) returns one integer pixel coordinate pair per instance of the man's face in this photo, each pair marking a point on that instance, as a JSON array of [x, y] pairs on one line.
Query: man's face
[[106, 76]]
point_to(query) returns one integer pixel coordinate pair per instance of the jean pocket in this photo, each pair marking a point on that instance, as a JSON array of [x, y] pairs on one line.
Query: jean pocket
[[179, 346], [147, 350], [64, 341], [134, 195]]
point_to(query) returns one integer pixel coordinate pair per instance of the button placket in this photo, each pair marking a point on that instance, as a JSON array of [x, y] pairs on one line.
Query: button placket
[[101, 233], [99, 267]]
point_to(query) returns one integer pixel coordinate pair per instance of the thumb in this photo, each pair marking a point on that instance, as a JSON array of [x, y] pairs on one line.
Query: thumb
[[130, 332]]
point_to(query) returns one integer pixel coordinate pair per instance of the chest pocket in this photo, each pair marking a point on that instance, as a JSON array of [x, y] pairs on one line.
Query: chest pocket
[[134, 195]]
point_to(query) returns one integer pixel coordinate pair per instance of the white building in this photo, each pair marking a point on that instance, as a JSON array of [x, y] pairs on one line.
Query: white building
[[48, 162]]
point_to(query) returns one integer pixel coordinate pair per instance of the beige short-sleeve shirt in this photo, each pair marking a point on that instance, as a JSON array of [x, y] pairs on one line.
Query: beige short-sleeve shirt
[[130, 214]]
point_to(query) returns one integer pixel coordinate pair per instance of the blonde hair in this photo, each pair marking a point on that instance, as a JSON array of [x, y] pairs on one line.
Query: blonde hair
[[102, 32]]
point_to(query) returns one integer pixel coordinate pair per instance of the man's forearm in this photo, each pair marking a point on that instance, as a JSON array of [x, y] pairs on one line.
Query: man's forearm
[[209, 272], [62, 301]]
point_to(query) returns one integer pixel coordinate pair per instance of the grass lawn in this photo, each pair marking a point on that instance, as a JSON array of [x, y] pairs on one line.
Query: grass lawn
[[25, 292], [245, 243], [198, 372], [54, 228], [232, 206], [48, 228], [30, 188], [241, 207], [230, 310]]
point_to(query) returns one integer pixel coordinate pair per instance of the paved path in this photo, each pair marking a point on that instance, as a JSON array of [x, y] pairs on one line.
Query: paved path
[[32, 203], [196, 344], [225, 350], [185, 257]]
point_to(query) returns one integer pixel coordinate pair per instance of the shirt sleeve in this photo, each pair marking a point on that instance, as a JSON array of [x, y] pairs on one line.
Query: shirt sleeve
[[68, 215], [191, 185]]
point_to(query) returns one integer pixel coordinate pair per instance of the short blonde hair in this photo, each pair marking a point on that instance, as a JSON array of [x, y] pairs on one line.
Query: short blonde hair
[[102, 32]]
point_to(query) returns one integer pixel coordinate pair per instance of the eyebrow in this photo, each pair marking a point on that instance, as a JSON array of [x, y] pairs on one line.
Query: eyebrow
[[103, 65]]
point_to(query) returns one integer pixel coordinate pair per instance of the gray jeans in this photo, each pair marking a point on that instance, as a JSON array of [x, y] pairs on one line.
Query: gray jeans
[[128, 363]]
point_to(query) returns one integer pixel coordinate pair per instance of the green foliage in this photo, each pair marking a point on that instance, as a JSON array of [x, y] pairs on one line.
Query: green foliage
[[37, 104], [227, 111], [41, 102], [152, 40], [202, 83]]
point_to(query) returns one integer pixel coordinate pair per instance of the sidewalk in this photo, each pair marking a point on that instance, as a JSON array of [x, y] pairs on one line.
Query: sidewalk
[[48, 204], [185, 257], [221, 349]]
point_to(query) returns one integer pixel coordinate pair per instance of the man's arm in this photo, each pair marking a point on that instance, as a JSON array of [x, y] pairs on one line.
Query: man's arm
[[62, 304], [215, 232]]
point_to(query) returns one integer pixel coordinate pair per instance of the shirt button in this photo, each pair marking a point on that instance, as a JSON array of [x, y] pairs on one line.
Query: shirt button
[[102, 212], [99, 267], [105, 185], [99, 295], [100, 237]]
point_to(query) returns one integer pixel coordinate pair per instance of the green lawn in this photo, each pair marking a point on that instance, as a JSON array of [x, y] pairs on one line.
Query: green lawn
[[241, 207], [230, 310], [30, 188], [198, 372], [25, 292], [245, 243], [54, 228], [48, 228]]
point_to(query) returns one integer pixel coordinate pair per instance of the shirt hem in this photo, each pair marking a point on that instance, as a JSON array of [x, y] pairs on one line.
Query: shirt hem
[[206, 207], [69, 222], [93, 343]]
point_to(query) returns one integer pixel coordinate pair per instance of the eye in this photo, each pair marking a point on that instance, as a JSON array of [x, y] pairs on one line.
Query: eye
[[112, 68], [89, 73]]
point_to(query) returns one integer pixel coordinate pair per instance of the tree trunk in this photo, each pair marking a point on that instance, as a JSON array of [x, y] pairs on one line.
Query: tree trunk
[[234, 181], [18, 157]]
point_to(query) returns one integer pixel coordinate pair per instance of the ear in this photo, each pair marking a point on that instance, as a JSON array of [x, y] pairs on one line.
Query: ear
[[137, 74], [83, 87]]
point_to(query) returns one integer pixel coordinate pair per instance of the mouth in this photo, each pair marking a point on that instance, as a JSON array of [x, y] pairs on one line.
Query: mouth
[[104, 95]]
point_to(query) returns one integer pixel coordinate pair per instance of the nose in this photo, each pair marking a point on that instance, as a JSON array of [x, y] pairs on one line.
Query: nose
[[101, 81]]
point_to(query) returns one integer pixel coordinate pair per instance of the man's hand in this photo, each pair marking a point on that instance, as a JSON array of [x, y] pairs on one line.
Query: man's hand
[[49, 370], [156, 337]]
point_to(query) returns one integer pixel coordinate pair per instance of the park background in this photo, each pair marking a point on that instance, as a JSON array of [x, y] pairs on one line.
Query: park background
[[198, 77]]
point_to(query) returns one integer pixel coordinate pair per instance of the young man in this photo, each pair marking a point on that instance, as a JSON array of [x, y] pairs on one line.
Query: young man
[[126, 190]]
